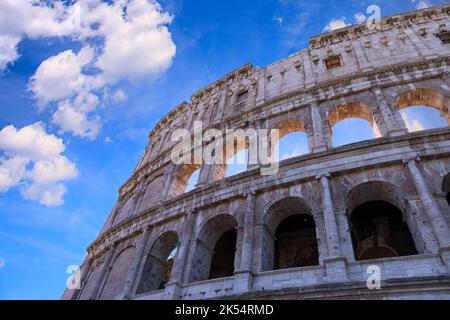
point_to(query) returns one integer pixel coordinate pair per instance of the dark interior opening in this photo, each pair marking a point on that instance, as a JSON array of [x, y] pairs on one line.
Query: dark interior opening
[[222, 263], [378, 231], [296, 243]]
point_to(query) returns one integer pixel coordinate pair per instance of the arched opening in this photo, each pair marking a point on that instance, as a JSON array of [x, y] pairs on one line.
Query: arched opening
[[446, 188], [424, 109], [193, 180], [296, 243], [237, 164], [215, 249], [157, 268], [377, 223], [184, 176], [352, 122], [117, 274], [293, 141], [289, 237], [222, 263]]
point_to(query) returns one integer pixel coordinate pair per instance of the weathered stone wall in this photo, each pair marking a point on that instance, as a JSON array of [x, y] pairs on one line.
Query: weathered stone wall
[[403, 64]]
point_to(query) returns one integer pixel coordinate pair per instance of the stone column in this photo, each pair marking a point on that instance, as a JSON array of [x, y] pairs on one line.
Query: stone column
[[394, 127], [174, 287], [319, 141], [247, 243], [261, 96], [364, 62], [310, 79], [101, 279], [132, 273], [418, 42], [433, 212], [73, 294], [186, 238], [335, 263], [243, 276]]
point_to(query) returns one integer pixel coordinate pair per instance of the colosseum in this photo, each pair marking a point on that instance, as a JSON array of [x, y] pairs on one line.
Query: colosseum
[[329, 220]]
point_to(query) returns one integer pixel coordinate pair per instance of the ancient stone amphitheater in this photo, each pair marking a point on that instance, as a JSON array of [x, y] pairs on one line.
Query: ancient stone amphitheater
[[317, 228]]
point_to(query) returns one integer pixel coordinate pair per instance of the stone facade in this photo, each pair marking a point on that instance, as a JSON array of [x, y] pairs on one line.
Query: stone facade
[[351, 72]]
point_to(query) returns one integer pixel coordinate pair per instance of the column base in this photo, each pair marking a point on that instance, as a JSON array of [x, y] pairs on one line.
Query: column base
[[242, 281], [319, 149], [336, 269], [172, 291], [444, 252], [398, 133]]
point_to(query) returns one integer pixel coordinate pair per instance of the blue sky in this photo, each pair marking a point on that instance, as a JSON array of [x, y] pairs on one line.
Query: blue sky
[[41, 235]]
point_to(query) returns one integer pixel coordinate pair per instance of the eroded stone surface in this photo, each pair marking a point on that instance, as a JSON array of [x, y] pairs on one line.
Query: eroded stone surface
[[403, 64]]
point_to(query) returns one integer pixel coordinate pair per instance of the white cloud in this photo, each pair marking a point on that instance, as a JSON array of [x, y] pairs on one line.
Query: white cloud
[[60, 77], [32, 159], [421, 4], [360, 18], [336, 24], [119, 96], [69, 119], [413, 126], [123, 40], [138, 40], [33, 19]]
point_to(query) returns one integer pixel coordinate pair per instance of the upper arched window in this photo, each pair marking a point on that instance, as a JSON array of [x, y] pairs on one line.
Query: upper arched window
[[352, 122], [423, 109]]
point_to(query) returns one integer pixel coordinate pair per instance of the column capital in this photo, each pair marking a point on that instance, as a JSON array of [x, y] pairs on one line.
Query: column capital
[[323, 175], [410, 159], [250, 194]]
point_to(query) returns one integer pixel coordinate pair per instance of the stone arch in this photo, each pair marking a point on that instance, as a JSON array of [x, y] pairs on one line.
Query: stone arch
[[215, 247], [286, 127], [152, 194], [233, 147], [92, 279], [378, 225], [181, 177], [349, 110], [429, 97], [117, 273], [446, 187], [289, 236], [156, 271]]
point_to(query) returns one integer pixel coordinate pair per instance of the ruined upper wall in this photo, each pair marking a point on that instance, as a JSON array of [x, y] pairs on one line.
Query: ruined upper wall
[[402, 38]]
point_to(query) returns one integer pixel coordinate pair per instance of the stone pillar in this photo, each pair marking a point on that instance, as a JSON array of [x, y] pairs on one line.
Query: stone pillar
[[390, 117], [261, 96], [309, 130], [132, 273], [364, 62], [73, 294], [434, 214], [174, 287], [247, 243], [319, 141], [335, 263], [418, 42], [101, 279], [183, 250], [243, 277], [310, 80]]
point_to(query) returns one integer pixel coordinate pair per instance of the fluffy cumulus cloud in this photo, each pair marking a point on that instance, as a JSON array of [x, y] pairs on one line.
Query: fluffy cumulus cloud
[[120, 40], [336, 24], [32, 160], [33, 19], [123, 40]]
